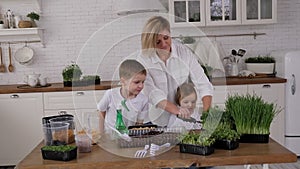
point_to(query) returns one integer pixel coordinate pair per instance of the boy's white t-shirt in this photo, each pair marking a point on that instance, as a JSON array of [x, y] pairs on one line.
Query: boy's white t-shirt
[[177, 122], [112, 98]]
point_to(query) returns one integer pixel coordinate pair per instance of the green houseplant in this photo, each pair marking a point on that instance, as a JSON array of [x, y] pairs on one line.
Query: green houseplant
[[71, 73], [261, 64], [200, 143], [33, 17], [224, 133], [90, 79], [252, 116], [60, 153]]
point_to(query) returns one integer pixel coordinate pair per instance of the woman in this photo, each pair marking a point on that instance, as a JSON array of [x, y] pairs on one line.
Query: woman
[[169, 64]]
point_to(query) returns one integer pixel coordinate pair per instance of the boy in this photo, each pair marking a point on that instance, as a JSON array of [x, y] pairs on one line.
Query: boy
[[134, 103]]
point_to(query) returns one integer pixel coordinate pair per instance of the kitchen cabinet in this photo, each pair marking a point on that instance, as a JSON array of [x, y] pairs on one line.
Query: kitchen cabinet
[[223, 12], [185, 13], [221, 93], [20, 125], [259, 11], [72, 102], [18, 35], [273, 93]]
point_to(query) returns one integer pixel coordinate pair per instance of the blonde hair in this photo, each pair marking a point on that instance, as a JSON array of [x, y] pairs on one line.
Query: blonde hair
[[130, 67], [183, 91], [152, 28]]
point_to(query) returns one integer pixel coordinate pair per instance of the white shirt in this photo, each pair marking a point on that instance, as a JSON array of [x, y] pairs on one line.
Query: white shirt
[[177, 122], [162, 79], [138, 107]]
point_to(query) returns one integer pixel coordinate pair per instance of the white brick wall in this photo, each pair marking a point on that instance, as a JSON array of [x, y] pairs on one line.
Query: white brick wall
[[70, 24]]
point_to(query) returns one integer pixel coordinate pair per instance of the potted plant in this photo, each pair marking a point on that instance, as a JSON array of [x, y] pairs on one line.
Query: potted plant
[[252, 117], [226, 137], [33, 16], [261, 64], [1, 24], [60, 152], [208, 70], [90, 79], [71, 74], [200, 143]]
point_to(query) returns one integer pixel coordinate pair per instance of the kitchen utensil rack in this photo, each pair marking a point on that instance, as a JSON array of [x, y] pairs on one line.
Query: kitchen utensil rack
[[254, 34]]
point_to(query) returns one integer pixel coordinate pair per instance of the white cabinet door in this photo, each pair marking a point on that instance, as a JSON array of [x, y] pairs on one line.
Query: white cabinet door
[[72, 100], [223, 12], [273, 93], [259, 11], [76, 103], [186, 13], [221, 93], [20, 125]]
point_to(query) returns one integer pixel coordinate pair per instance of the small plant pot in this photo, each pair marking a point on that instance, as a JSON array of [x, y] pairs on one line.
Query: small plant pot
[[58, 155], [195, 149], [81, 83], [262, 68], [254, 138], [68, 83], [226, 144]]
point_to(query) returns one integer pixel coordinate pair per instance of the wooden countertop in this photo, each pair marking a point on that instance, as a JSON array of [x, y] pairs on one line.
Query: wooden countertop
[[56, 87], [247, 153]]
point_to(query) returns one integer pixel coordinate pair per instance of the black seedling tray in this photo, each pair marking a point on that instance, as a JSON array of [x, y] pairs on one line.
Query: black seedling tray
[[195, 149], [226, 144], [254, 138], [59, 156]]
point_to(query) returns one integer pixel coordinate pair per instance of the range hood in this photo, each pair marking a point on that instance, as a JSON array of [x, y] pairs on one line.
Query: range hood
[[127, 7]]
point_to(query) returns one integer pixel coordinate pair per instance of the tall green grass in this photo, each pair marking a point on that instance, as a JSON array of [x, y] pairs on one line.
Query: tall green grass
[[251, 114]]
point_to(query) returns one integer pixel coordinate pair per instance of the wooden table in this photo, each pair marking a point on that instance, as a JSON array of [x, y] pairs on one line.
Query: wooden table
[[247, 153]]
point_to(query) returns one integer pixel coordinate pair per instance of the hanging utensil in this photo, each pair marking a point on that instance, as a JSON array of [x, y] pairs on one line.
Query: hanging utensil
[[241, 52], [10, 66], [2, 66]]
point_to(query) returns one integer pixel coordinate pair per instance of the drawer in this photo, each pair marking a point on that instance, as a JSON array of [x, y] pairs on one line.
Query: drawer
[[72, 100]]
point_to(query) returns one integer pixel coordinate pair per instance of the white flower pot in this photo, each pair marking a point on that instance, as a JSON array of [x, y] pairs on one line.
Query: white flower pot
[[264, 68]]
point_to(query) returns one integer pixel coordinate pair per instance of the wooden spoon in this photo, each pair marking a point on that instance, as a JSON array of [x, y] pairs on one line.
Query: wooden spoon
[[2, 66], [10, 66]]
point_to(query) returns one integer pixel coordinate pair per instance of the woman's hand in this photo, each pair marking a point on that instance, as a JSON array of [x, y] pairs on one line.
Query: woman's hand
[[184, 113]]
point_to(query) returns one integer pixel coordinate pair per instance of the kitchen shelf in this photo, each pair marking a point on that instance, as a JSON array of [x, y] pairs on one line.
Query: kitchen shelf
[[20, 35]]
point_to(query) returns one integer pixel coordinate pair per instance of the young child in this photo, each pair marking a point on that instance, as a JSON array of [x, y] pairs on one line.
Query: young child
[[186, 97], [134, 103]]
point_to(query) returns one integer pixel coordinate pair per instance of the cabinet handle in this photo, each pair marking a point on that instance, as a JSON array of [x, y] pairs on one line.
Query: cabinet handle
[[14, 96], [62, 112], [266, 86], [80, 93], [293, 87]]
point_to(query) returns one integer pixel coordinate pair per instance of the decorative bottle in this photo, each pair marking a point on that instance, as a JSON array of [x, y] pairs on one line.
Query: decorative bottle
[[120, 125]]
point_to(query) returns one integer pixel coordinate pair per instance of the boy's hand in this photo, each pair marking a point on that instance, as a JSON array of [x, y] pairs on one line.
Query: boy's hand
[[184, 113]]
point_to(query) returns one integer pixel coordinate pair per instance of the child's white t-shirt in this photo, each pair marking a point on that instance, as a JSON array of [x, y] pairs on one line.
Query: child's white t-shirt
[[138, 107], [177, 122]]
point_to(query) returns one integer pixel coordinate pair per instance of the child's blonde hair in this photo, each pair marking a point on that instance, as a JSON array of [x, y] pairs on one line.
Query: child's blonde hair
[[130, 67], [184, 90]]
